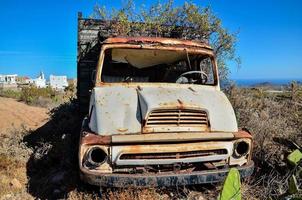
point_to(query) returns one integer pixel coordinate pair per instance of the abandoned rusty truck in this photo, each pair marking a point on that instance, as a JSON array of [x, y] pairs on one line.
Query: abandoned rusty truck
[[156, 115]]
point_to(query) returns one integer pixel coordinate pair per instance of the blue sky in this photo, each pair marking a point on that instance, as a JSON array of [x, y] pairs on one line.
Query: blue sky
[[42, 35]]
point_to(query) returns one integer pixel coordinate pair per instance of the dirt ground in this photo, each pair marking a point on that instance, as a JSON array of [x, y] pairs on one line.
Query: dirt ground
[[15, 115]]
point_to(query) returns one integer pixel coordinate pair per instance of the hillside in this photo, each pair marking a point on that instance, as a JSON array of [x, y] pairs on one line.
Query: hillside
[[16, 115]]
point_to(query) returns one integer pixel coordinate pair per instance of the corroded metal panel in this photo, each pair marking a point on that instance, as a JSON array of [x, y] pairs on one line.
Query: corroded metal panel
[[162, 179], [120, 109], [154, 40], [118, 151]]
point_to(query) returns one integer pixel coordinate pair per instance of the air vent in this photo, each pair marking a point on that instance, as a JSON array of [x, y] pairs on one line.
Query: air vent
[[177, 117], [173, 155]]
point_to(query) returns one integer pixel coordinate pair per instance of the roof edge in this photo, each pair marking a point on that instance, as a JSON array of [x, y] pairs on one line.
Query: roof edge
[[160, 40]]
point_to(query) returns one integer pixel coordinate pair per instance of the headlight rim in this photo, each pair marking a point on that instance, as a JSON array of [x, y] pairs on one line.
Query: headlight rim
[[89, 162], [237, 154]]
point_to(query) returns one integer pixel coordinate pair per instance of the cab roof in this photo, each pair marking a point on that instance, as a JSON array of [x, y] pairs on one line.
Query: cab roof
[[156, 40]]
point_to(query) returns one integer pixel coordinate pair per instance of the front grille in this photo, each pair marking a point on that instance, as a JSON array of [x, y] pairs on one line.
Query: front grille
[[177, 117], [173, 155]]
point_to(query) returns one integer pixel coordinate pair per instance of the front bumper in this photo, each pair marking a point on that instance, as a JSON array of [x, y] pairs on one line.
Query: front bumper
[[163, 179]]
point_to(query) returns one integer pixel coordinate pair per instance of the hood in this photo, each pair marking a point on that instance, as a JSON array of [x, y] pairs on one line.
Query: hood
[[122, 109]]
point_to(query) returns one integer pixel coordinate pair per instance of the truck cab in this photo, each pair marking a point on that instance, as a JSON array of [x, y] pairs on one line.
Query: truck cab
[[157, 117]]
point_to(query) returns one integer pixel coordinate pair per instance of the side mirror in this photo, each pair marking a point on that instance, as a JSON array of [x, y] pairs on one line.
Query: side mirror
[[93, 76]]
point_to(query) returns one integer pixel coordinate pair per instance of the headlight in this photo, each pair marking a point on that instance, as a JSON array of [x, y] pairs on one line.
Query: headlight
[[241, 148], [95, 157]]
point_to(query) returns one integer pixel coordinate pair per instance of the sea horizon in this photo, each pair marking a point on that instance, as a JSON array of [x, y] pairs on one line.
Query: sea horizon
[[272, 81]]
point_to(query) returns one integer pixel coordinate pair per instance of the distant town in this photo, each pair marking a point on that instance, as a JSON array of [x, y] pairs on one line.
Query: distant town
[[13, 81]]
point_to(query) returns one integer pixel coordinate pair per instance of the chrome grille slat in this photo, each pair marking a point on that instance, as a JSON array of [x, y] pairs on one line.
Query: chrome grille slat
[[179, 117]]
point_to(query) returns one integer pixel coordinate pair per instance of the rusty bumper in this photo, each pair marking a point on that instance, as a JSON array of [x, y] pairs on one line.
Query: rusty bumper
[[163, 179]]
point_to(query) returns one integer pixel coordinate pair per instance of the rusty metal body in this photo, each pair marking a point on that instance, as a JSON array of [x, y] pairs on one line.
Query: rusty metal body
[[143, 133]]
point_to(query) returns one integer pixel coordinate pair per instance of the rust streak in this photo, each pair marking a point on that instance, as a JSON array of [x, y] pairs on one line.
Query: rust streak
[[163, 41], [242, 134], [91, 139]]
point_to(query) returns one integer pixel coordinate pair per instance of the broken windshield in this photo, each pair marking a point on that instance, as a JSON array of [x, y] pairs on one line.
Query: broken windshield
[[158, 66]]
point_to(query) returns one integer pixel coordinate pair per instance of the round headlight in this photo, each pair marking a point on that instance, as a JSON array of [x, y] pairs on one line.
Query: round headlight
[[241, 148], [97, 156]]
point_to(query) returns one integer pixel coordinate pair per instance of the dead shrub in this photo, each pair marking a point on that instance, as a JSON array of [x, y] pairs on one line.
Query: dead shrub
[[13, 157], [274, 121]]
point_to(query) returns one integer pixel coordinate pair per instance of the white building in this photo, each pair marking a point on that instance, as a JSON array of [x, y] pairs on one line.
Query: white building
[[58, 82], [39, 82], [8, 79]]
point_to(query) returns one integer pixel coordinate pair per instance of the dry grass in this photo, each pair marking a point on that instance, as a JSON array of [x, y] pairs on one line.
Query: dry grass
[[275, 120], [13, 158]]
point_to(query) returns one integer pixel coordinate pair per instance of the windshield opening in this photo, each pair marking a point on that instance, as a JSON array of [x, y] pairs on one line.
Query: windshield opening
[[158, 66]]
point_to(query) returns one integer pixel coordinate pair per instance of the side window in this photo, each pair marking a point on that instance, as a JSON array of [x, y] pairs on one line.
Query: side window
[[207, 67]]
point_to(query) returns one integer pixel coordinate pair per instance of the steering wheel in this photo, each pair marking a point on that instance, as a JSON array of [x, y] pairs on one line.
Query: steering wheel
[[183, 79], [128, 79]]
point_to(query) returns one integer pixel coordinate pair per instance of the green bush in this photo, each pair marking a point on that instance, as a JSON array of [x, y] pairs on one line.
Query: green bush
[[31, 95], [15, 94], [43, 97]]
